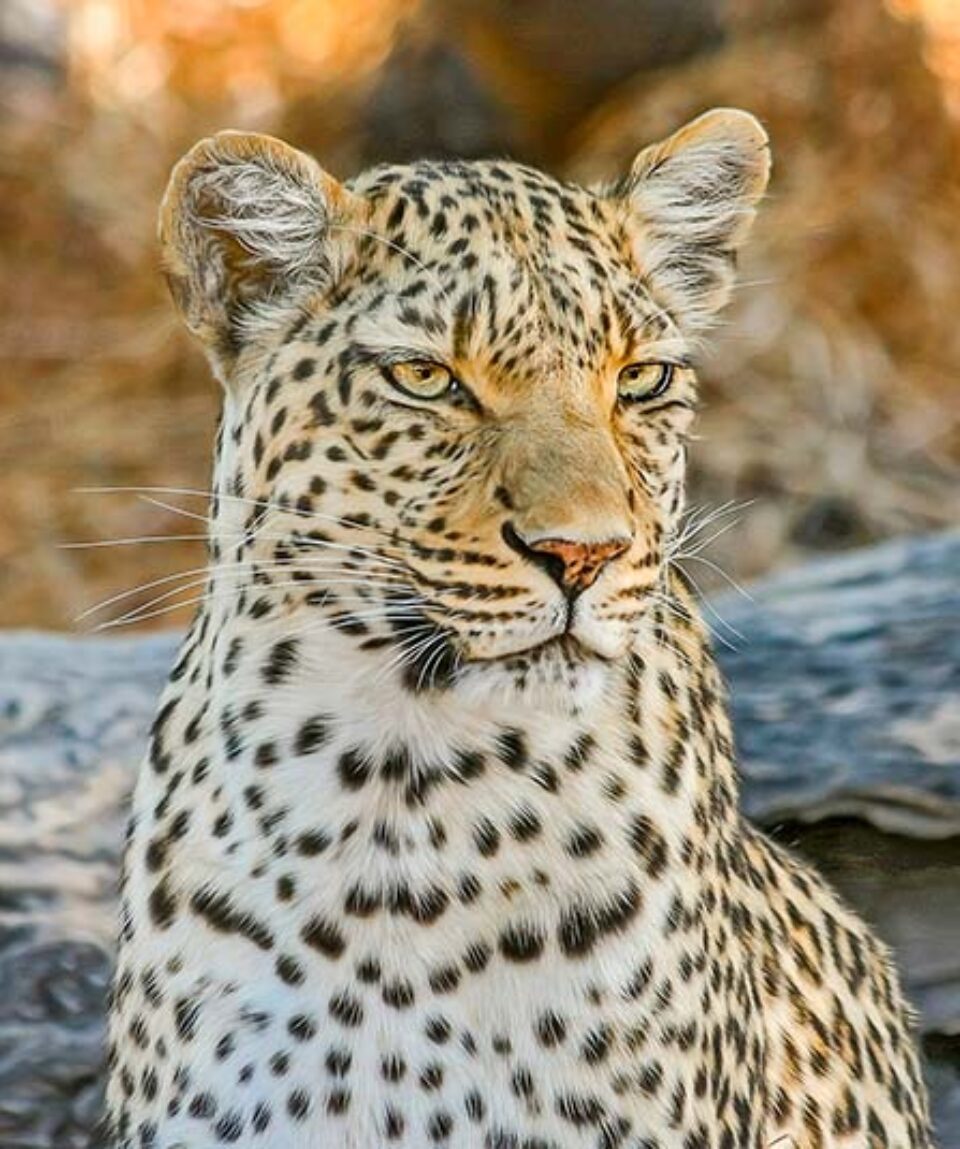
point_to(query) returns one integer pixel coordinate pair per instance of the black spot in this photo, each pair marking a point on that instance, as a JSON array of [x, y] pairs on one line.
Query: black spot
[[346, 1009], [521, 942], [352, 769], [260, 1119], [266, 755], [311, 736], [368, 971], [596, 1045], [394, 1124], [444, 979], [323, 936], [301, 1028], [476, 956], [438, 1030], [398, 994], [638, 752], [521, 1083], [440, 1126], [397, 765], [361, 902], [289, 970], [512, 749], [298, 1104], [577, 932], [579, 752], [393, 1068], [525, 824], [580, 1109], [186, 1015], [219, 912], [649, 844], [474, 1106], [431, 1077], [551, 1029], [584, 840], [338, 1062], [428, 905], [468, 764], [202, 1105], [487, 837], [312, 842], [162, 904], [230, 1127], [156, 854], [281, 661], [339, 1101], [468, 888]]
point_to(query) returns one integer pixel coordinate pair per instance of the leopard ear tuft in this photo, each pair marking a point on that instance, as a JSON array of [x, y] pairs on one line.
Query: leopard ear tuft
[[694, 195], [245, 224]]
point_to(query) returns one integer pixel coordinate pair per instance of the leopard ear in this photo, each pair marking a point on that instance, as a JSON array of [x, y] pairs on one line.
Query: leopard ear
[[694, 195], [245, 226]]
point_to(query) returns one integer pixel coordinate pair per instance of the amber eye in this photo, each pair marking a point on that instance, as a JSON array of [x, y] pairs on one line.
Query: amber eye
[[422, 379], [641, 382]]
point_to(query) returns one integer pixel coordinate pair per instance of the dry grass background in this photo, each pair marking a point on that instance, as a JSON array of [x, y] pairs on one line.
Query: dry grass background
[[831, 395]]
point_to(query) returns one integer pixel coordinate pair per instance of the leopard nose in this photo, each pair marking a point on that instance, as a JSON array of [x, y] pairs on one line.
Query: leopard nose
[[573, 564]]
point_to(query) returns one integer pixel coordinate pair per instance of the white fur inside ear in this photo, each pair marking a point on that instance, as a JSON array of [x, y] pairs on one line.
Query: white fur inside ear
[[701, 195], [281, 221], [695, 195]]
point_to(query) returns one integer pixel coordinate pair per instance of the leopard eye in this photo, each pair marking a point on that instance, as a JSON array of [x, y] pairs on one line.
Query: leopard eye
[[641, 382], [422, 379]]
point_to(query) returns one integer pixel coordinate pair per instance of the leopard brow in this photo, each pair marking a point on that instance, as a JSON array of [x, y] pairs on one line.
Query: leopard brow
[[390, 355]]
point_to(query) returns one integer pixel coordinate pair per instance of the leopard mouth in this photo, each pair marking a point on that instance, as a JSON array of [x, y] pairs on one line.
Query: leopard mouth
[[565, 646], [436, 655], [568, 646]]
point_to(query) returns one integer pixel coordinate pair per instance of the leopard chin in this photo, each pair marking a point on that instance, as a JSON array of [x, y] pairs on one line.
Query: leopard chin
[[558, 676]]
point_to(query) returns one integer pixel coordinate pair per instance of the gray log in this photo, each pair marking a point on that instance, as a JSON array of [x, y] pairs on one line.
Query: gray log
[[845, 688]]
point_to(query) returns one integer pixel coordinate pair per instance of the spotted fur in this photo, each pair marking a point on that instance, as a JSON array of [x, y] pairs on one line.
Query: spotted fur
[[438, 839]]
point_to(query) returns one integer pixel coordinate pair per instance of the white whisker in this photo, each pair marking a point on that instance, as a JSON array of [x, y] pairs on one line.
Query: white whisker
[[144, 612], [741, 590], [263, 504], [130, 541]]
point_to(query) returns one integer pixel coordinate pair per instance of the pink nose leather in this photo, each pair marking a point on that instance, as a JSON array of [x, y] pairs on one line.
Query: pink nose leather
[[582, 562]]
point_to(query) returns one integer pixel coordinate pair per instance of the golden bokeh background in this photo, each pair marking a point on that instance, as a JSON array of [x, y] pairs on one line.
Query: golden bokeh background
[[831, 396]]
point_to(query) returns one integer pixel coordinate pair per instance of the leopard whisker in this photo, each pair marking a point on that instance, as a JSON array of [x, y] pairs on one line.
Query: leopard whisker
[[698, 519], [427, 668], [717, 569], [406, 654], [263, 504], [206, 573], [704, 543], [129, 541], [716, 614], [259, 533], [213, 594]]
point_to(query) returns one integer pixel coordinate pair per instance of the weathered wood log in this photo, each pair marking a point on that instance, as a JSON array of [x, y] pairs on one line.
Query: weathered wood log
[[846, 692]]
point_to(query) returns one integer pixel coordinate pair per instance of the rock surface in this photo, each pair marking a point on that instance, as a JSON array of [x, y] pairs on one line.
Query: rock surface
[[845, 687]]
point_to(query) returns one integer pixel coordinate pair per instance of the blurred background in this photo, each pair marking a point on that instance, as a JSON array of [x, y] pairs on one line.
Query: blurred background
[[831, 394]]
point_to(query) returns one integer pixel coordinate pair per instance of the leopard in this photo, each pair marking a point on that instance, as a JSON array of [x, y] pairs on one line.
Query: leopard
[[438, 840]]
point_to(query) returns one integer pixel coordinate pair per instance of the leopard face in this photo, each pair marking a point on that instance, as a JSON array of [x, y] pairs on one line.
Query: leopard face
[[457, 393]]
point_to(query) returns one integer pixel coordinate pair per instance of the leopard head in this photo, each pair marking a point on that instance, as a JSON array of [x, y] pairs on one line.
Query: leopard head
[[457, 394]]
